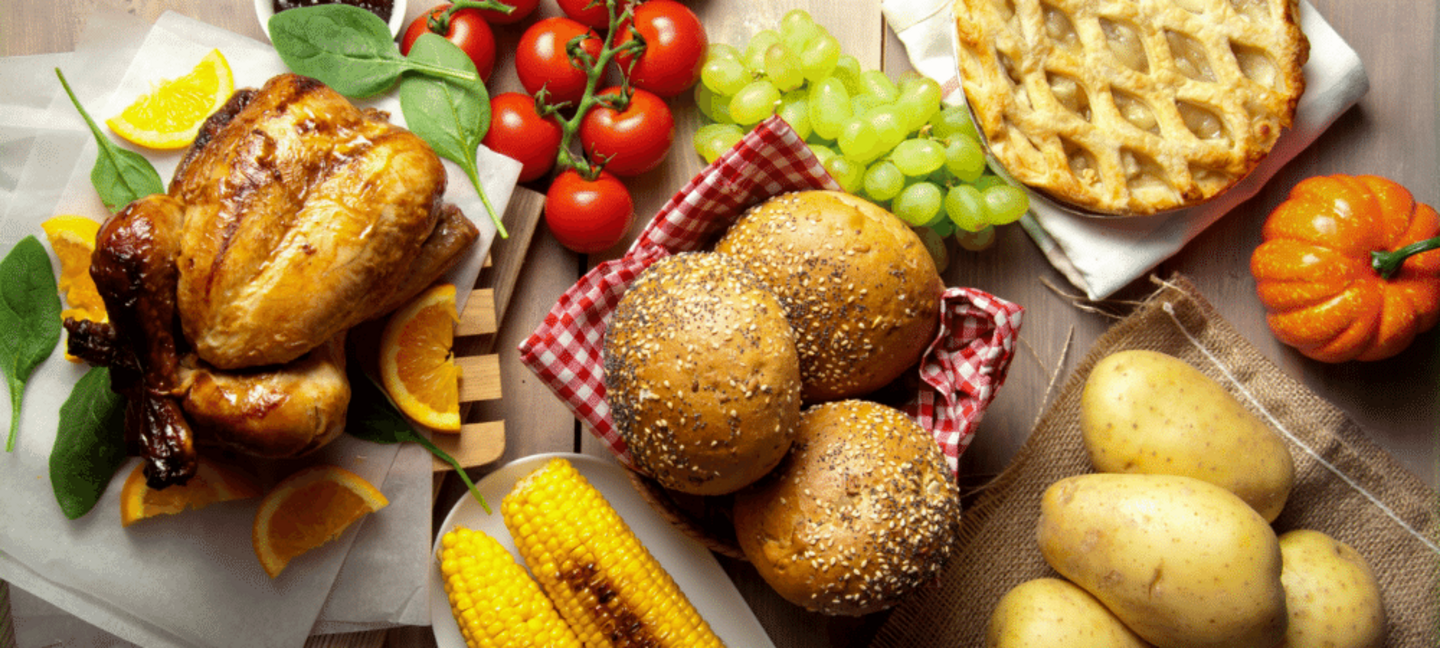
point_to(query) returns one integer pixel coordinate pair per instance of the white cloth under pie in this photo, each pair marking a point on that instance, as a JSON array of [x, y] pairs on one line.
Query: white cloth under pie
[[1102, 255]]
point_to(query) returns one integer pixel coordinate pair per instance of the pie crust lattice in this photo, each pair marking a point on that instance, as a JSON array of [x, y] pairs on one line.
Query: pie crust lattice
[[1130, 107]]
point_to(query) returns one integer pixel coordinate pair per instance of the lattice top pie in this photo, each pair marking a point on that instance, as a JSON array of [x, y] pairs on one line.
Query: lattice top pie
[[1131, 107]]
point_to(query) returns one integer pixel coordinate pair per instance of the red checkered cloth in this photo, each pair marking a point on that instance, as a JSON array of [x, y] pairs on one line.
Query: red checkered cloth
[[959, 373]]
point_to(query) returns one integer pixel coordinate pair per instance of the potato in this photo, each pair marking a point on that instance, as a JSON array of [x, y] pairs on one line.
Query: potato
[[1055, 612], [1182, 562], [1150, 413], [1330, 594]]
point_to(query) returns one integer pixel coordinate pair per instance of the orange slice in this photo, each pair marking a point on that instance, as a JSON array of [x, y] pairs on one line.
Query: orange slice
[[416, 366], [309, 509], [72, 238], [212, 483], [169, 116]]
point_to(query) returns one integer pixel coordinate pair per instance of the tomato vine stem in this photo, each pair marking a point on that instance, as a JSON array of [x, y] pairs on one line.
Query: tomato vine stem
[[440, 22], [594, 67]]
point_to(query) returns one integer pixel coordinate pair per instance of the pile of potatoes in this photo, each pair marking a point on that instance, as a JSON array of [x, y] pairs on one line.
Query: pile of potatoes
[[1169, 543]]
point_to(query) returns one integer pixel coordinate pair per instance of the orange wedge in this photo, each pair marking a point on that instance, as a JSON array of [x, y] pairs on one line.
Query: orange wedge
[[72, 238], [169, 116], [416, 366], [212, 483], [308, 509]]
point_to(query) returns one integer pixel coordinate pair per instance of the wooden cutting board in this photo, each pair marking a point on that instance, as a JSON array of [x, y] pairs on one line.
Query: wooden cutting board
[[480, 441]]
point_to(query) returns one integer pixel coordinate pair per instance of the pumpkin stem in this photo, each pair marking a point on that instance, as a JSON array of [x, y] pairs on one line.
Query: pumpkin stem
[[1388, 263]]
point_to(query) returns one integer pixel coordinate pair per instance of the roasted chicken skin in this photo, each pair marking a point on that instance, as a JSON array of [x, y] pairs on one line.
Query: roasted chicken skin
[[302, 212], [293, 217]]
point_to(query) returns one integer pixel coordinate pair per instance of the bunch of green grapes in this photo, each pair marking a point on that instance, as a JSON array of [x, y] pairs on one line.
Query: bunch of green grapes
[[893, 143]]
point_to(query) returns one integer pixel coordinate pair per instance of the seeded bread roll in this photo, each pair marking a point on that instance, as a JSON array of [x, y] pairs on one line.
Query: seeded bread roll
[[701, 374], [857, 284], [862, 511]]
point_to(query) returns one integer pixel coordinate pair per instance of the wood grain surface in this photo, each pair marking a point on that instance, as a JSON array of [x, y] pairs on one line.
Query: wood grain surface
[[1391, 133]]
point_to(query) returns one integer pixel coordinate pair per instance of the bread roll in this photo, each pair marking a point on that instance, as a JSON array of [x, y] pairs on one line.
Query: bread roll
[[701, 374], [862, 511], [858, 286]]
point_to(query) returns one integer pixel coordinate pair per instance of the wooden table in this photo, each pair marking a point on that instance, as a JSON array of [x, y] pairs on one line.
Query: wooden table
[[1391, 133]]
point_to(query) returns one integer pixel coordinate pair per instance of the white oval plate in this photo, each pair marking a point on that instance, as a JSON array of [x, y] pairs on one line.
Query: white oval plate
[[692, 566]]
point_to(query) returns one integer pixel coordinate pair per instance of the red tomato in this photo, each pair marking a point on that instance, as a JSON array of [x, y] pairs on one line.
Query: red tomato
[[523, 9], [675, 43], [632, 141], [591, 13], [542, 62], [588, 215], [467, 29], [517, 131]]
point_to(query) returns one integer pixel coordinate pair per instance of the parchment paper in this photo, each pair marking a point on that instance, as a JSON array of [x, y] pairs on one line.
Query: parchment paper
[[190, 579]]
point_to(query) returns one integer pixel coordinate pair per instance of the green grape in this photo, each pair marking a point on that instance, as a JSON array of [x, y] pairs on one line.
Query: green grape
[[889, 126], [847, 172], [1005, 204], [874, 82], [883, 181], [934, 243], [918, 204], [920, 98], [829, 108], [988, 180], [943, 227], [964, 158], [715, 51], [847, 70], [859, 141], [795, 110], [952, 120], [976, 241], [714, 107], [822, 153], [818, 59], [966, 208], [795, 18], [713, 140], [783, 68], [862, 103], [754, 102], [754, 55], [918, 157], [798, 34], [724, 76]]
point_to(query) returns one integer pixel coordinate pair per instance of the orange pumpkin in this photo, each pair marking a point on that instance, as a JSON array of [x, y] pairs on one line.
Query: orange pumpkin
[[1348, 268]]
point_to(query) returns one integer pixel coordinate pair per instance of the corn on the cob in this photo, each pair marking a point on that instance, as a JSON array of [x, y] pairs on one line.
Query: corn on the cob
[[601, 579], [495, 603]]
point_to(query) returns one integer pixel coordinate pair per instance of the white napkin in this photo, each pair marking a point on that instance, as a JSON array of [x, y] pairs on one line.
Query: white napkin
[[1102, 255], [190, 579]]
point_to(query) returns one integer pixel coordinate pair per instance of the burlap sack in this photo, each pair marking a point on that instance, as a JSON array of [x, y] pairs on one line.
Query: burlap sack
[[1345, 486]]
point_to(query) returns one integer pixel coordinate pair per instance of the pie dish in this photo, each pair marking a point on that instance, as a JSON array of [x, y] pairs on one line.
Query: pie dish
[[1126, 107]]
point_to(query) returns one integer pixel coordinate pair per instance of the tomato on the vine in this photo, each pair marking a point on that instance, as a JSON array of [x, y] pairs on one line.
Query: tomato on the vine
[[541, 60], [517, 131], [675, 43], [588, 215], [631, 141], [522, 10], [591, 13], [467, 29]]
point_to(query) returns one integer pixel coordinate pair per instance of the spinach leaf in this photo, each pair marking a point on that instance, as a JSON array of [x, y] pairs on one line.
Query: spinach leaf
[[345, 47], [89, 444], [373, 417], [29, 317], [451, 115], [120, 176]]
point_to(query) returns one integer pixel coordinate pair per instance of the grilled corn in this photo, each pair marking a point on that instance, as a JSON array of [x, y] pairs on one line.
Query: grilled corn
[[495, 603], [601, 579]]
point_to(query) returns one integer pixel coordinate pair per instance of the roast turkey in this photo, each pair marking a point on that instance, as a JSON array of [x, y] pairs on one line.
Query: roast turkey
[[293, 217]]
